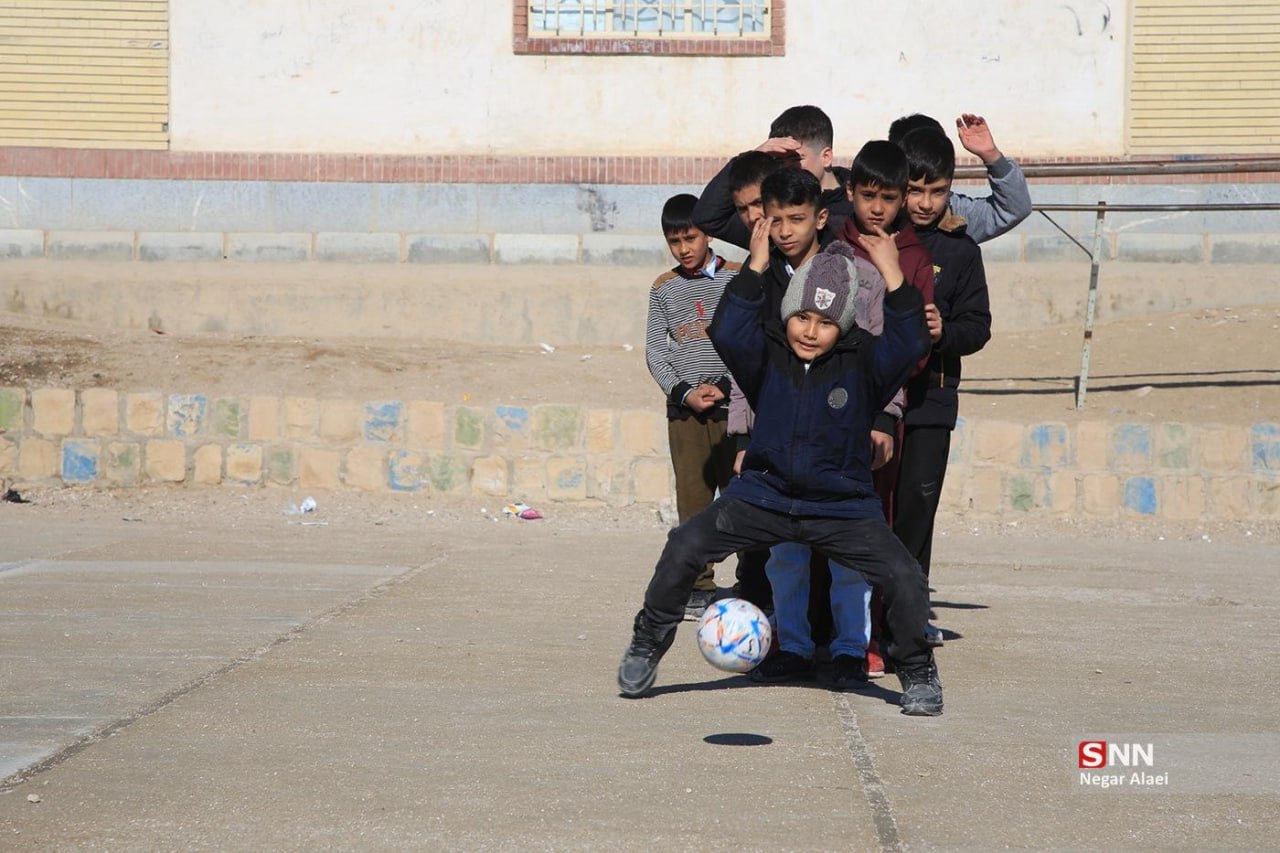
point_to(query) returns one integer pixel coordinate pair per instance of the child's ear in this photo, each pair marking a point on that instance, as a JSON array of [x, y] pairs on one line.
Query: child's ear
[[827, 158], [822, 218]]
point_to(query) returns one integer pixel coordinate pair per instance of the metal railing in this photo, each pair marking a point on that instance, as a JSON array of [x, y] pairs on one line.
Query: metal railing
[[1100, 169], [1102, 208], [1134, 168]]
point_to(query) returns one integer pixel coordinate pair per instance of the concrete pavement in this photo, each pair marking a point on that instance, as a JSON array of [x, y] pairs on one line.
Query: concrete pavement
[[448, 683]]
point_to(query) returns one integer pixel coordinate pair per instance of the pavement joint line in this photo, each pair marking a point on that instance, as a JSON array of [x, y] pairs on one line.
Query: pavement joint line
[[872, 784], [8, 567], [113, 728]]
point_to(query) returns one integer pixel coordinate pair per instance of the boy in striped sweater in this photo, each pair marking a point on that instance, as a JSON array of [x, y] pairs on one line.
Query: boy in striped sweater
[[690, 373]]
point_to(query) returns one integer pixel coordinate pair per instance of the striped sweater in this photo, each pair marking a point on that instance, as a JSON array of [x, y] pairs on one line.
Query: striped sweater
[[679, 353]]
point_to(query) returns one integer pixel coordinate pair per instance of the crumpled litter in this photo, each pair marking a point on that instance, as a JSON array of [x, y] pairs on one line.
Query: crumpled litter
[[521, 510], [307, 505]]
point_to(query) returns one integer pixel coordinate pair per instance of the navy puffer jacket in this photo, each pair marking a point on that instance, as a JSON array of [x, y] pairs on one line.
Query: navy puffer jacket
[[810, 451]]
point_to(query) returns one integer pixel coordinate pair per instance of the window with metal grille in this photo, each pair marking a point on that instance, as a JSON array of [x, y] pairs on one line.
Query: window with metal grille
[[689, 27]]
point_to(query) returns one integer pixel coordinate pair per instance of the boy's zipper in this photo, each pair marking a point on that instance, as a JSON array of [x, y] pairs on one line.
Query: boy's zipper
[[795, 427]]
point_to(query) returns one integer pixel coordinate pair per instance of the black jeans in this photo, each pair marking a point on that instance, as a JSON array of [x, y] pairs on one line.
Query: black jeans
[[729, 525], [924, 466], [753, 583]]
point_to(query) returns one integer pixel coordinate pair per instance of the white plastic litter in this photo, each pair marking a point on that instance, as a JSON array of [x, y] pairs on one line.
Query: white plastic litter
[[308, 505]]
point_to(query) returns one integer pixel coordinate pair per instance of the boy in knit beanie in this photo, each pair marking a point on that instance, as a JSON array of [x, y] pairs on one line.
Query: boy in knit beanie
[[826, 298], [816, 385]]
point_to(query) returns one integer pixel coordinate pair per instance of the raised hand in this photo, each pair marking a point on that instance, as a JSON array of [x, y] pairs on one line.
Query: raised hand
[[782, 147], [759, 260], [975, 136]]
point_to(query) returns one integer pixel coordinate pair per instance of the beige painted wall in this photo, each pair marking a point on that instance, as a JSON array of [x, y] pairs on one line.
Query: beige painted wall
[[439, 76]]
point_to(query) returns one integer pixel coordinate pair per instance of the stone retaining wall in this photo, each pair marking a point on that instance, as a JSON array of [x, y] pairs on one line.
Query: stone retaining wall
[[105, 438]]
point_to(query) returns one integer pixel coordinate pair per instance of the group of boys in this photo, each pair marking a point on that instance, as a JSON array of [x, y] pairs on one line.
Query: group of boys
[[815, 389]]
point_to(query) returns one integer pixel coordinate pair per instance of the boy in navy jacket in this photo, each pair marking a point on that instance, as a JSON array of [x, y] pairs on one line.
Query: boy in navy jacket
[[817, 383]]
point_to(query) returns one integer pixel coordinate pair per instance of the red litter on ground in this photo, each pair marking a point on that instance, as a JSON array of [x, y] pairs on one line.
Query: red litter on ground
[[521, 510]]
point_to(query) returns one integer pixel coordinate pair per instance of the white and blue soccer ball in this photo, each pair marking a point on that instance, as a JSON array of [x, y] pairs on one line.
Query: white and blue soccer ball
[[734, 635]]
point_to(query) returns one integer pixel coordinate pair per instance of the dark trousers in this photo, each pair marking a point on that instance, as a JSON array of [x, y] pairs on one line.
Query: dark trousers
[[923, 468], [729, 525], [753, 583], [702, 457]]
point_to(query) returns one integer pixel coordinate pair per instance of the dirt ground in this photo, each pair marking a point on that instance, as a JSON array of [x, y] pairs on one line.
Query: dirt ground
[[1206, 366]]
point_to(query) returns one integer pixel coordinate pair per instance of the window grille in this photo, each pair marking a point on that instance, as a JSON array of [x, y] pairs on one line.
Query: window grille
[[649, 19]]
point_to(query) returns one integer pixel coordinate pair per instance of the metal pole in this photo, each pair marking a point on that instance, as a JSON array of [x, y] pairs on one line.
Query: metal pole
[[1082, 384], [1197, 166]]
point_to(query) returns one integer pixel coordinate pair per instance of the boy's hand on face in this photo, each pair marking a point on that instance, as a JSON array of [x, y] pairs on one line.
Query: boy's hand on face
[[881, 449], [975, 136], [884, 254], [759, 260], [782, 147], [933, 320]]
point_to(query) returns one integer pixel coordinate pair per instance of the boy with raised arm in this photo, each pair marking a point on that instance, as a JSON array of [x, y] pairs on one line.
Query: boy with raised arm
[[1010, 200]]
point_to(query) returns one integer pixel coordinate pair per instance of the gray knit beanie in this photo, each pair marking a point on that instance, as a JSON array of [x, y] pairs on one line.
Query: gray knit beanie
[[834, 284]]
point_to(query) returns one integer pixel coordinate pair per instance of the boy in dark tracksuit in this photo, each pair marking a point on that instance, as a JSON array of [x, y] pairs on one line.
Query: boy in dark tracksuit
[[1010, 200], [816, 383], [959, 324]]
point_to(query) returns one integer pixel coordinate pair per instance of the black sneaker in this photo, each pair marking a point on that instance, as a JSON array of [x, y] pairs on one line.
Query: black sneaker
[[848, 671], [639, 664], [698, 602], [784, 666], [921, 689]]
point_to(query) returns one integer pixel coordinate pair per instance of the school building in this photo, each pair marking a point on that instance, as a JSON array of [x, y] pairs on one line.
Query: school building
[[550, 130], [444, 141]]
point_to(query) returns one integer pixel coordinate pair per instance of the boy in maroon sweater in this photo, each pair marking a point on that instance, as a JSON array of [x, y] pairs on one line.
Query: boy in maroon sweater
[[878, 191]]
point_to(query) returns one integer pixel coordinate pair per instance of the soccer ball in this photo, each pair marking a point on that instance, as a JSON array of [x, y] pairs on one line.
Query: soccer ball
[[734, 635]]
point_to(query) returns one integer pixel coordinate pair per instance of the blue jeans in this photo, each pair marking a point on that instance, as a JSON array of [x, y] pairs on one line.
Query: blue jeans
[[730, 525], [788, 571]]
